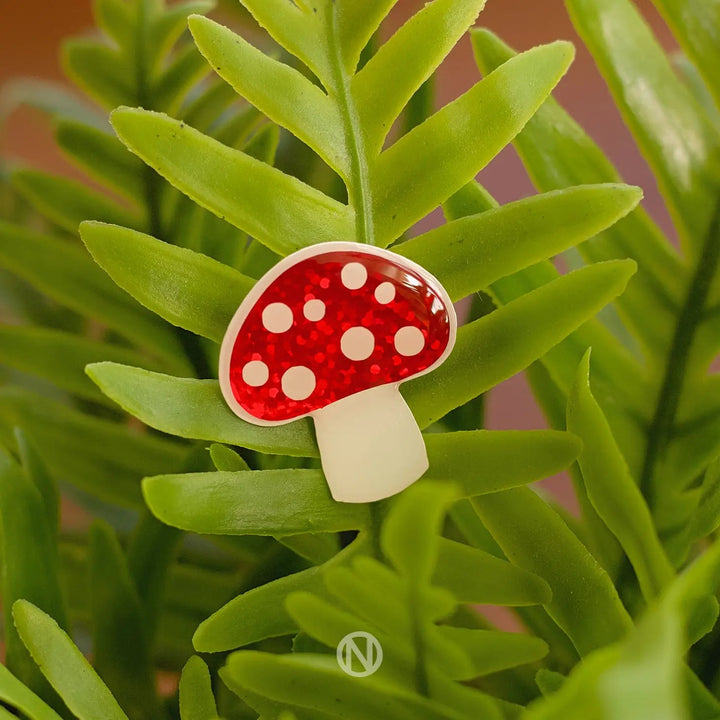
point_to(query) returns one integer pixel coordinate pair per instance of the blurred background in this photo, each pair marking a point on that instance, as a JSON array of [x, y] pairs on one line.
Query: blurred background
[[31, 32]]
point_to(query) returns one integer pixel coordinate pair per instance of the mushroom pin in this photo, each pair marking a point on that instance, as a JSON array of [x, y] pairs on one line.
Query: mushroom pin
[[331, 331]]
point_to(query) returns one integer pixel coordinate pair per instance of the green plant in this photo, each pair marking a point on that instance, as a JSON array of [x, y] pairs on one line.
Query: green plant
[[243, 546]]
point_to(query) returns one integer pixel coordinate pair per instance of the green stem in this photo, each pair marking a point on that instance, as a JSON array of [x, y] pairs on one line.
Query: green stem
[[358, 181], [690, 318]]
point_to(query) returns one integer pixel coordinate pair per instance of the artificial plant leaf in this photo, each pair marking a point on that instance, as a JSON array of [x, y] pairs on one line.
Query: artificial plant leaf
[[60, 357], [64, 665], [483, 461], [612, 490], [120, 643], [197, 701], [282, 93], [83, 286], [557, 154], [260, 502], [491, 651], [426, 166], [679, 143], [19, 696], [99, 456], [30, 564], [260, 613], [403, 63], [99, 70], [162, 401], [280, 211], [507, 340], [317, 683], [512, 237], [185, 288], [584, 602], [474, 576], [103, 157]]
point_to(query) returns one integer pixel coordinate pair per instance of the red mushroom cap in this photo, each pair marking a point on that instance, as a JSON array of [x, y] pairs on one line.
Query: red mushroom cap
[[330, 321]]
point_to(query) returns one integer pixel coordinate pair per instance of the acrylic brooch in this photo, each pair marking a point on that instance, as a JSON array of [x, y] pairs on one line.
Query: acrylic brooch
[[331, 331]]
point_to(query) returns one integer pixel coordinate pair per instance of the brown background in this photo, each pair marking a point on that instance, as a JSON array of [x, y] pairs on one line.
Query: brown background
[[31, 31]]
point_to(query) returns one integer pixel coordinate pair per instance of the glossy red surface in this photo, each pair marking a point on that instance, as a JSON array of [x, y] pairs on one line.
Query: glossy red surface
[[316, 344]]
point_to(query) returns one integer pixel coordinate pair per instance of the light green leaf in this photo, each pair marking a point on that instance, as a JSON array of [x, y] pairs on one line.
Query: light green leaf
[[227, 460], [101, 457], [558, 154], [162, 401], [187, 289], [585, 603], [102, 156], [60, 357], [277, 209], [64, 665], [404, 62], [474, 576], [120, 644], [491, 651], [706, 518], [260, 613], [261, 502], [356, 24], [611, 489], [430, 163], [197, 701], [17, 695], [517, 235], [507, 340], [83, 286], [679, 143], [281, 92], [99, 70], [166, 28], [115, 18], [186, 68], [30, 564], [67, 202]]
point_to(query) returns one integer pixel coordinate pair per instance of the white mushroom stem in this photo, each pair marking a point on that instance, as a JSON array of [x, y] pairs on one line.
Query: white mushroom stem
[[370, 445]]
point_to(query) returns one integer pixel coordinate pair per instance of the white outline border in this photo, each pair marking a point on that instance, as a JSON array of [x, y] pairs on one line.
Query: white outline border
[[286, 263]]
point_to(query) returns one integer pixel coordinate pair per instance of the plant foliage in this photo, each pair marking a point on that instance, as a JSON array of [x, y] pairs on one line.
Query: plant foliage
[[111, 393]]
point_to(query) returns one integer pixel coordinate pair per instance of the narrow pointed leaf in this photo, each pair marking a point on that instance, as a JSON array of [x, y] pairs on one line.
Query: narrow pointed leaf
[[120, 645], [584, 601], [611, 489], [558, 154], [185, 288], [197, 701], [87, 697], [30, 564], [430, 163], [356, 24], [101, 457], [20, 697], [404, 62], [67, 202], [102, 156], [162, 401], [82, 286], [282, 212], [60, 357], [282, 93], [169, 25], [186, 68], [517, 235], [505, 342], [678, 142], [261, 502], [474, 576]]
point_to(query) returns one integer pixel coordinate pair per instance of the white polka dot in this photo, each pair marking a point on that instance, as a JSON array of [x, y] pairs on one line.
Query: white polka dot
[[255, 373], [277, 318], [298, 382], [353, 276], [357, 343], [314, 310], [385, 293], [409, 340]]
